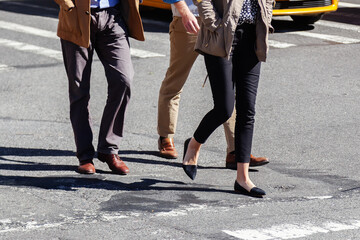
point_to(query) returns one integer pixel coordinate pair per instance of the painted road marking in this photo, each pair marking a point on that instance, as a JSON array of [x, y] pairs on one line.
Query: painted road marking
[[144, 54], [31, 48], [276, 44], [290, 231], [49, 34], [5, 68], [28, 30], [348, 5], [332, 38], [9, 225], [338, 25], [58, 54], [182, 212], [319, 197]]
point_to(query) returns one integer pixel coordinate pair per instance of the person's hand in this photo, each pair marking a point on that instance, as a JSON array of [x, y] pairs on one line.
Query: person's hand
[[188, 19], [190, 23]]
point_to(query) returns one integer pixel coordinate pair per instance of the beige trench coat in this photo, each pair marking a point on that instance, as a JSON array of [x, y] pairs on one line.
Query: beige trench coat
[[219, 19]]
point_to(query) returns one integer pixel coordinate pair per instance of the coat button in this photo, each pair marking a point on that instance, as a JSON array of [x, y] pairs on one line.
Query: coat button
[[206, 45]]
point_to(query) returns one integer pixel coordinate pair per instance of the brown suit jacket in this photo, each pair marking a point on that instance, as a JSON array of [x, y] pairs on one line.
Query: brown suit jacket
[[74, 20]]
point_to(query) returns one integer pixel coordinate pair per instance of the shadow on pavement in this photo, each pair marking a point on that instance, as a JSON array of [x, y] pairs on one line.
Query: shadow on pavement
[[4, 151], [344, 15], [71, 183], [283, 26], [21, 165], [166, 162]]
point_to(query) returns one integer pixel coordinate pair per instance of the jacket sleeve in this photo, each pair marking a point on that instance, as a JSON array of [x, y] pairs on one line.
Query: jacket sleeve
[[269, 10], [208, 14], [65, 4], [171, 1]]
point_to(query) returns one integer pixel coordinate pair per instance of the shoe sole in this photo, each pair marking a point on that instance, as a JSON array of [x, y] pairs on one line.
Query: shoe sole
[[233, 166], [120, 173], [259, 164], [82, 172], [246, 193], [167, 156]]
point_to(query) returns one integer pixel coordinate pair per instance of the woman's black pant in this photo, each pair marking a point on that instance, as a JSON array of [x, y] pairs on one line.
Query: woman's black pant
[[240, 73]]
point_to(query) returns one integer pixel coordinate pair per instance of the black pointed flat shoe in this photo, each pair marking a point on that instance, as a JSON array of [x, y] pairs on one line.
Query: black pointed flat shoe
[[254, 192], [190, 170]]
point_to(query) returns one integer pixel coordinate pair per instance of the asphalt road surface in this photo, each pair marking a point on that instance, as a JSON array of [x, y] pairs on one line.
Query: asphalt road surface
[[307, 123]]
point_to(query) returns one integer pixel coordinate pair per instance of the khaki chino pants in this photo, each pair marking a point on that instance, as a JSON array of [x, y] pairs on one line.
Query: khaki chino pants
[[182, 58]]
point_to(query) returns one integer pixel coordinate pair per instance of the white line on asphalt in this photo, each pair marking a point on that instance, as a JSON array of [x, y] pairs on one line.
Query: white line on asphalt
[[290, 231], [276, 44], [31, 48], [49, 34], [5, 68], [58, 55], [348, 5], [319, 197], [331, 38], [182, 212], [338, 25], [29, 30], [11, 225], [144, 54]]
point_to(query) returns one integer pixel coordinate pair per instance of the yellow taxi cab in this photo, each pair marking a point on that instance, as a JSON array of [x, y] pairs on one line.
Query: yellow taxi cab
[[301, 11], [304, 11]]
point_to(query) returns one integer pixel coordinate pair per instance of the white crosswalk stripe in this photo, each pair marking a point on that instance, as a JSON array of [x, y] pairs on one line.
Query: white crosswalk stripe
[[277, 44], [144, 54], [50, 34], [28, 30], [31, 48], [338, 25], [58, 54], [348, 5], [332, 38], [5, 68], [292, 231]]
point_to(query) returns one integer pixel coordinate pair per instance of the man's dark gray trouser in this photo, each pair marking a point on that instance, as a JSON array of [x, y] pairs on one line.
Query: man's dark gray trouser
[[109, 40]]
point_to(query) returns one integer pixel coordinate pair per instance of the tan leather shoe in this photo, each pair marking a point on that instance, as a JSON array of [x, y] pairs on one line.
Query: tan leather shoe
[[114, 162], [254, 161], [167, 148], [86, 167], [258, 161]]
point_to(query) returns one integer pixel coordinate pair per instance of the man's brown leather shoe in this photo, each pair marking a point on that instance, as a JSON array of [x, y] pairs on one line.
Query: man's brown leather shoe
[[167, 148], [86, 167], [258, 161], [114, 162], [254, 161]]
